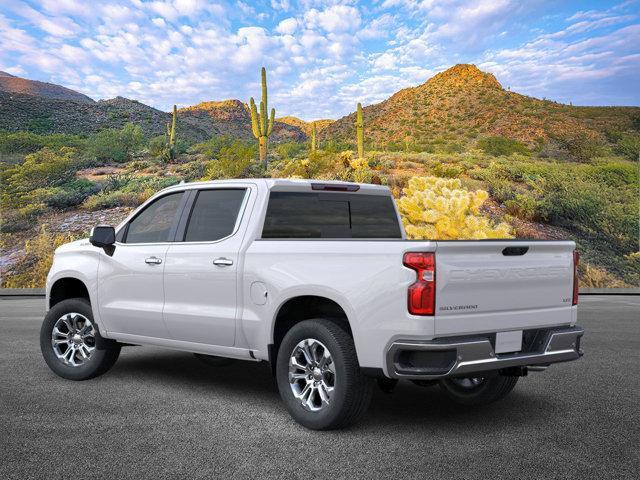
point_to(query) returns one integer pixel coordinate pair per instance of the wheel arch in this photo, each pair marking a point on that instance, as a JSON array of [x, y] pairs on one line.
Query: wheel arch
[[67, 287], [304, 307]]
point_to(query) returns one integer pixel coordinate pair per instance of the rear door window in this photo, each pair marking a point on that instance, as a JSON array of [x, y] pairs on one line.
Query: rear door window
[[214, 214], [330, 215]]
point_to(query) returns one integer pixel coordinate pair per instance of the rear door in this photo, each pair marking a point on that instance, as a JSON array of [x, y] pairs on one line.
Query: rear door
[[488, 286], [201, 270]]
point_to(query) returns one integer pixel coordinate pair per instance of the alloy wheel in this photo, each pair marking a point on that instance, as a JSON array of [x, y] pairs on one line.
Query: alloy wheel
[[73, 339], [312, 374]]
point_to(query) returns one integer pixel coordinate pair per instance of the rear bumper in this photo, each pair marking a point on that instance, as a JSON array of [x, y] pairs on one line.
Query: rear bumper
[[462, 356]]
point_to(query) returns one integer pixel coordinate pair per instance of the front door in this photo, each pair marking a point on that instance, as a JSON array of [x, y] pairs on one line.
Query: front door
[[201, 270], [130, 282]]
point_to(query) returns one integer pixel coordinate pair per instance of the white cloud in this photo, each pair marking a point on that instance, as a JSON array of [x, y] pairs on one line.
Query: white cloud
[[280, 5], [287, 26], [56, 26], [335, 19]]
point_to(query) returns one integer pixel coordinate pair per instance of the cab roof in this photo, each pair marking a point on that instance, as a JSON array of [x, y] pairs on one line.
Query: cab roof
[[295, 185]]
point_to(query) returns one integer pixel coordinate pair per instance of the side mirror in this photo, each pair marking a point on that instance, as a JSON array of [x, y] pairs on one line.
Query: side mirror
[[103, 236]]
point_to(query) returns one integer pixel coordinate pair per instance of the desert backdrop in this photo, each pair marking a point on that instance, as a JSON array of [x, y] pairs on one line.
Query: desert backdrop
[[549, 170]]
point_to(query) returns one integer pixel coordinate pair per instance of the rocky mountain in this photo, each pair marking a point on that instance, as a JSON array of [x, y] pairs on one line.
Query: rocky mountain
[[305, 126], [464, 103], [232, 118], [16, 85], [47, 108]]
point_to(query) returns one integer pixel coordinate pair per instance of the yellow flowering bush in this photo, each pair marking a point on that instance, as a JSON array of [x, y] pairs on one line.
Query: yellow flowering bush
[[441, 209]]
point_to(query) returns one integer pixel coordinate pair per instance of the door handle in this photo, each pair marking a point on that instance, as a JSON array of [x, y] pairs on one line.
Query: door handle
[[223, 262], [153, 261]]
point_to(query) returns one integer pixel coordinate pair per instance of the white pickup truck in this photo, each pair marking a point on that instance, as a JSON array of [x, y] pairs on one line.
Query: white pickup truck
[[318, 279]]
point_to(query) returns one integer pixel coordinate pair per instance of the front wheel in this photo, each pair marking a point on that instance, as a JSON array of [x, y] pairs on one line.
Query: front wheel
[[69, 340], [319, 376], [478, 390]]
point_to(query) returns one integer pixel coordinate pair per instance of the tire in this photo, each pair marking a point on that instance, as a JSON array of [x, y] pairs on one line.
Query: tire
[[478, 390], [347, 390], [214, 361], [73, 365]]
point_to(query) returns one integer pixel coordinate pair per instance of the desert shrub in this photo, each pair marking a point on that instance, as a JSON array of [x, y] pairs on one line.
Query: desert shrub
[[116, 199], [22, 218], [216, 145], [629, 146], [39, 256], [45, 168], [582, 146], [67, 195], [231, 162], [440, 209], [192, 170], [28, 142], [594, 277], [319, 164], [523, 206], [158, 145], [447, 170], [40, 125], [336, 146], [599, 201], [498, 146], [452, 147], [289, 150], [116, 145]]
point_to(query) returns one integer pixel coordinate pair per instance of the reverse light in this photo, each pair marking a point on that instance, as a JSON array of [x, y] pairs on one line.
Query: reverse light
[[576, 261], [421, 296]]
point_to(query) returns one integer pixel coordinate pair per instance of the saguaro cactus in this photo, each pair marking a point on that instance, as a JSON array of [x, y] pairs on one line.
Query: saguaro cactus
[[171, 135], [314, 138], [260, 124], [360, 132]]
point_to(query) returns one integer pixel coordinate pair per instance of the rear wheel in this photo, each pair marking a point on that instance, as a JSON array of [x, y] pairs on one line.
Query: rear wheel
[[478, 390], [70, 342], [319, 377]]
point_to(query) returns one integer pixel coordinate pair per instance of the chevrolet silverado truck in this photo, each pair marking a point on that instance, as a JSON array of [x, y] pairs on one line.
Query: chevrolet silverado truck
[[318, 279]]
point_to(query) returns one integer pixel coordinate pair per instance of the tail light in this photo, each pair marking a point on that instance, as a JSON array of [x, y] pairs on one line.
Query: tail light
[[421, 297], [576, 261]]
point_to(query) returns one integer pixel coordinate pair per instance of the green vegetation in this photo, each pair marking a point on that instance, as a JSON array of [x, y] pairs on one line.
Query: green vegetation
[[261, 126], [116, 145], [27, 142], [232, 160], [498, 146]]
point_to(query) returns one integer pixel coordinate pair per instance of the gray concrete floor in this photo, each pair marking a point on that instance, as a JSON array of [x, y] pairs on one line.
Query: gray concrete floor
[[163, 414]]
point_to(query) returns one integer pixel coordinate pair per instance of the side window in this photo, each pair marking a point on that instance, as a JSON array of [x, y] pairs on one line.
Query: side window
[[214, 214], [154, 223]]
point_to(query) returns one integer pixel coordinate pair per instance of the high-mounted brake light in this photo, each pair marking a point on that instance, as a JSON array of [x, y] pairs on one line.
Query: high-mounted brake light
[[333, 187], [576, 261], [421, 297]]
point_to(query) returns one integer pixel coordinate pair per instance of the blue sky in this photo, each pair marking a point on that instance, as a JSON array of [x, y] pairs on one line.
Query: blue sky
[[322, 56]]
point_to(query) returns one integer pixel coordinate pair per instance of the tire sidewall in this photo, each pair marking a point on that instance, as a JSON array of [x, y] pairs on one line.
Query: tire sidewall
[[330, 414], [92, 366]]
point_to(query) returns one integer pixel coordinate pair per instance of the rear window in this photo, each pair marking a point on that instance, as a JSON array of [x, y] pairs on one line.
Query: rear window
[[330, 215]]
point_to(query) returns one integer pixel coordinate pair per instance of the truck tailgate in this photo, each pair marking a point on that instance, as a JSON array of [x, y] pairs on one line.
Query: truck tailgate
[[488, 286]]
